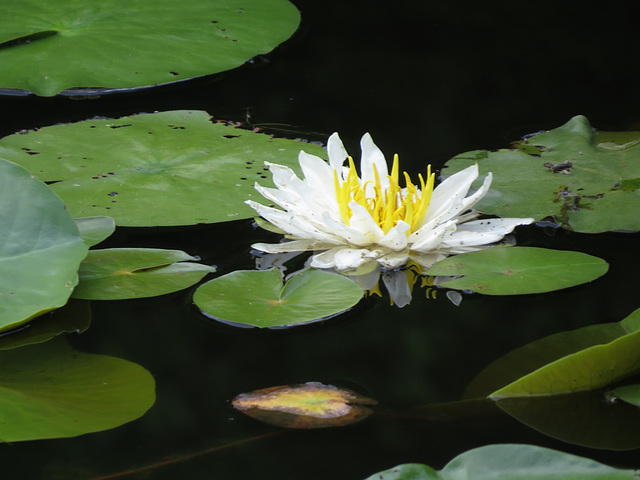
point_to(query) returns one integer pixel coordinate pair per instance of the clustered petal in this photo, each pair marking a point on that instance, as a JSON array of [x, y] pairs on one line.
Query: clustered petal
[[363, 224]]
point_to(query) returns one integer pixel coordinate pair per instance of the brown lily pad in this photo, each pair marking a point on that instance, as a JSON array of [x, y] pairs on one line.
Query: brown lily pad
[[310, 405]]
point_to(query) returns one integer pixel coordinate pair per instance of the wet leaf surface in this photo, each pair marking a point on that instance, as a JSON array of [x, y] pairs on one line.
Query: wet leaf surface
[[167, 168]]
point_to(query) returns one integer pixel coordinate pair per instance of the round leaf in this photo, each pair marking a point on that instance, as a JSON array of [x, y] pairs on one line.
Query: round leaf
[[121, 273], [40, 248], [169, 168], [50, 390], [49, 46], [310, 405], [259, 299], [518, 270], [583, 180]]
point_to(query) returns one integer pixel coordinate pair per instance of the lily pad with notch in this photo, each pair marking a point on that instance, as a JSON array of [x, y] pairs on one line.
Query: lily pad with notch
[[122, 273], [258, 298]]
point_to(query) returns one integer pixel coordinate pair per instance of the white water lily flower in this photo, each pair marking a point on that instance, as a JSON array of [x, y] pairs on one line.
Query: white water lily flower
[[360, 224]]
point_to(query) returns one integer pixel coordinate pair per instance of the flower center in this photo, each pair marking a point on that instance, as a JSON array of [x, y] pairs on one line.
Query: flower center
[[387, 207]]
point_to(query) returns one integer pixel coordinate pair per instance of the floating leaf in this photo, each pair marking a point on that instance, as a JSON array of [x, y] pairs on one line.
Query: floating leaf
[[510, 462], [593, 368], [94, 230], [168, 168], [51, 46], [628, 393], [518, 270], [120, 273], [587, 182], [310, 405], [40, 248], [258, 298], [75, 316], [50, 390]]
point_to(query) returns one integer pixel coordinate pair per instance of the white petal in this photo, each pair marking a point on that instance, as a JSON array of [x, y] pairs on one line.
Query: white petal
[[471, 200], [430, 239], [394, 260], [368, 281], [362, 221], [293, 246], [483, 232], [450, 192], [345, 260], [396, 238], [428, 259], [282, 175], [371, 155], [318, 175], [337, 153], [398, 287], [348, 234]]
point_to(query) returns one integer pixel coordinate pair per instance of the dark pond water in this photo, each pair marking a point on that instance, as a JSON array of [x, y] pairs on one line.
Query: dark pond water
[[428, 81]]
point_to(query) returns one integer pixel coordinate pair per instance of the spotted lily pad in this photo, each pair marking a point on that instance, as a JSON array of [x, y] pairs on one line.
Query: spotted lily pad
[[310, 405], [121, 273], [40, 248], [168, 168], [48, 46], [587, 182], [518, 270], [258, 298]]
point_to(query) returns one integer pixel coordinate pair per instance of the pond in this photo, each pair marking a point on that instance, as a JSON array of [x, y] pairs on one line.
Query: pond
[[428, 81]]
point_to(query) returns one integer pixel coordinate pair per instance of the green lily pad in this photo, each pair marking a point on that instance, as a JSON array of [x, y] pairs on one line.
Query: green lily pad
[[310, 405], [518, 270], [50, 390], [121, 273], [75, 316], [40, 248], [585, 181], [168, 168], [259, 299], [510, 462], [48, 46], [595, 367], [94, 230], [557, 384]]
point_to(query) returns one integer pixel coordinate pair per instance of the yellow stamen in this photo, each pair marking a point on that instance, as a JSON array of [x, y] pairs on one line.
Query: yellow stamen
[[390, 206]]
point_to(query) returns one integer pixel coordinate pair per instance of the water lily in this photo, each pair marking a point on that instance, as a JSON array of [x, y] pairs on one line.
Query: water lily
[[360, 224]]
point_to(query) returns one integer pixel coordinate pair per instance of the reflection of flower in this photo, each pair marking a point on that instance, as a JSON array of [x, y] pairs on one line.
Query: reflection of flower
[[361, 225]]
